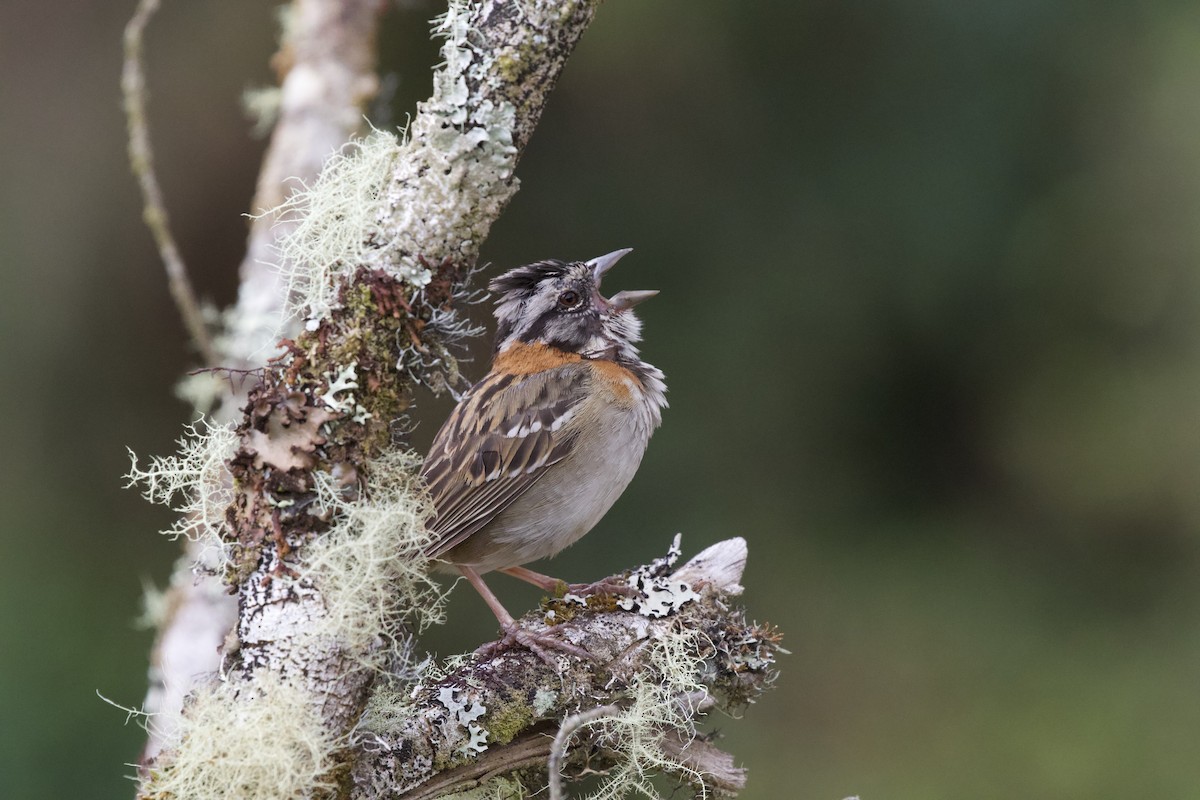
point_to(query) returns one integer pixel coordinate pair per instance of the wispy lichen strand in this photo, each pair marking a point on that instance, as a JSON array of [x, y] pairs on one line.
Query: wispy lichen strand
[[260, 741], [337, 227], [370, 563], [194, 483], [661, 702]]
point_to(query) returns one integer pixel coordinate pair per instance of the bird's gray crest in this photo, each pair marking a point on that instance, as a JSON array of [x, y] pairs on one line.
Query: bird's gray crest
[[524, 280]]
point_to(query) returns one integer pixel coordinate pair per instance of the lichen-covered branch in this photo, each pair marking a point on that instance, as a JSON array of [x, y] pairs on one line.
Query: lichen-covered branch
[[324, 529], [679, 650], [326, 69], [387, 238], [325, 66]]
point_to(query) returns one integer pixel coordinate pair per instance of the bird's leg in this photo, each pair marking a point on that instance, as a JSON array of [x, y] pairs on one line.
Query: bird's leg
[[514, 634], [557, 587], [506, 619], [553, 586]]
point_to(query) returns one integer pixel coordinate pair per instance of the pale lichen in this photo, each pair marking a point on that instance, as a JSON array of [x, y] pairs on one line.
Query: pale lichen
[[462, 152], [494, 789], [544, 700], [338, 226], [658, 594], [341, 383], [262, 740], [405, 204], [390, 704], [194, 483], [465, 712], [156, 607], [663, 700], [370, 563]]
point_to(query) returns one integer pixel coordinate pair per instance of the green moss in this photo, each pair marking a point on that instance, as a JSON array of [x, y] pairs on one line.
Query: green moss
[[356, 300], [443, 762], [604, 603], [367, 339], [505, 722], [508, 66], [559, 610]]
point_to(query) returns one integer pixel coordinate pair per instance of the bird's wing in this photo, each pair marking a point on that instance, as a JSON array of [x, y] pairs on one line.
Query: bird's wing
[[500, 440]]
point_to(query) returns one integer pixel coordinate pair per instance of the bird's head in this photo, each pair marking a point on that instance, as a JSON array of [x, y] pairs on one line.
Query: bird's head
[[558, 303]]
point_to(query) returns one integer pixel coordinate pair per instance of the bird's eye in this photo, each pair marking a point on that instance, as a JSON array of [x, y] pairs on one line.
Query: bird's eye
[[568, 299]]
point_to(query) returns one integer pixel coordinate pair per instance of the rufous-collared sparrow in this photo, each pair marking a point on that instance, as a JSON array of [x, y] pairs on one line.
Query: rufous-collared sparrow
[[539, 450]]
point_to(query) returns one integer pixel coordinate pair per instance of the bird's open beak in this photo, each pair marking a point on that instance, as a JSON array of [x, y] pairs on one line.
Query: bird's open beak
[[624, 300], [621, 300], [602, 264]]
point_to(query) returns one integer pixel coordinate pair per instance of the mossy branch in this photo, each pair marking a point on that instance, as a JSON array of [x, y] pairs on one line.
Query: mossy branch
[[386, 241], [489, 726], [325, 65]]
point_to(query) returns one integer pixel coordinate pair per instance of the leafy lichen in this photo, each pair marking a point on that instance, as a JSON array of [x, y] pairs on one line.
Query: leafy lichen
[[661, 700]]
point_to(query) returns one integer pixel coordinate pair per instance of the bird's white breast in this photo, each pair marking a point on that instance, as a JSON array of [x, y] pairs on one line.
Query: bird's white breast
[[613, 430]]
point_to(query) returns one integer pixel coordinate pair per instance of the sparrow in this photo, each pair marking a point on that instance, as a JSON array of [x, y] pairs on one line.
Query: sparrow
[[536, 452]]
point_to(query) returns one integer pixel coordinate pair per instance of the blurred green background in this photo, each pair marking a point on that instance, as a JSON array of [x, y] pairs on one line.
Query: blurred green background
[[930, 320]]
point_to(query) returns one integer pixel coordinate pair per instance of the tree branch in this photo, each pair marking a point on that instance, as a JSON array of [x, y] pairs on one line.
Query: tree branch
[[313, 488], [141, 160], [558, 750], [380, 319], [680, 650], [325, 65]]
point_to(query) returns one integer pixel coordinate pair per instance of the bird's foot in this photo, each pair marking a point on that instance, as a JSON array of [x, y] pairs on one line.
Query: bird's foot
[[538, 643]]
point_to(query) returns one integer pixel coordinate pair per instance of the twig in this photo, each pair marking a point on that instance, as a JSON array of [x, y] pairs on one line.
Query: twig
[[141, 161], [568, 729]]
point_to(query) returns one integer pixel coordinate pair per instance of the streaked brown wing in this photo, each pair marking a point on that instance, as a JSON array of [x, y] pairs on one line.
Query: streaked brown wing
[[497, 443]]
